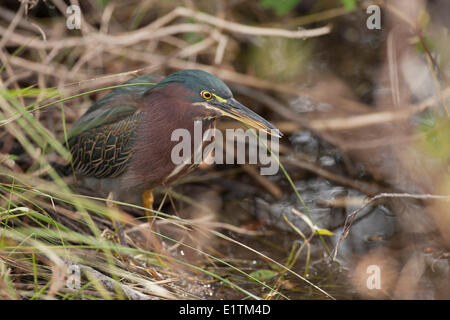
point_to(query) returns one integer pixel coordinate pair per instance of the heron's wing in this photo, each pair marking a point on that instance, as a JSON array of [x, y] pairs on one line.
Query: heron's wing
[[119, 104], [102, 139], [104, 151]]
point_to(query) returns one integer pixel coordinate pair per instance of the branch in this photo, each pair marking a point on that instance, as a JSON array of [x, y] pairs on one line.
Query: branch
[[372, 118], [110, 284], [250, 30], [351, 217]]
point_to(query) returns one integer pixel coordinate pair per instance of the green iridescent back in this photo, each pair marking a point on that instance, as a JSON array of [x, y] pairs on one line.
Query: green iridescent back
[[102, 139]]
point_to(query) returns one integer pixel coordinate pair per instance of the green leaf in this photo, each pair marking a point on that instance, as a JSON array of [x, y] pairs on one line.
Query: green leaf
[[435, 131], [429, 41], [281, 7], [263, 274], [29, 92], [424, 19], [324, 232], [350, 5], [13, 157], [103, 3]]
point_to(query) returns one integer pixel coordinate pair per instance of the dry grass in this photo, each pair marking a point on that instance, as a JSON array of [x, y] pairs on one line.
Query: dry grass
[[51, 226]]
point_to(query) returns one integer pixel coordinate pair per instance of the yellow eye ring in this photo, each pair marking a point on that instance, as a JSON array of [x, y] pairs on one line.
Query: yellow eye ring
[[206, 95]]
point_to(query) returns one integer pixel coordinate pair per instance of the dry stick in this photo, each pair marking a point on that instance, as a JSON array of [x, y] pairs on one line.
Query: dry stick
[[272, 103], [220, 50], [122, 39], [416, 28], [143, 33], [357, 185], [228, 75], [154, 30], [137, 37], [5, 59], [195, 48], [86, 57], [378, 117], [317, 125], [6, 35], [93, 39], [311, 18], [177, 63], [250, 30], [379, 142], [50, 70], [8, 15], [111, 284], [18, 75], [351, 217], [270, 186], [106, 17], [352, 122], [393, 69]]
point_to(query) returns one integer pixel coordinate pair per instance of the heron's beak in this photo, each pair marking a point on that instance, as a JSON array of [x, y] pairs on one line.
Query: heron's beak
[[234, 109]]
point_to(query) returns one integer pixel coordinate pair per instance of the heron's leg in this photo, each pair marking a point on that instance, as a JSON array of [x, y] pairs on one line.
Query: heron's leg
[[116, 224], [147, 202]]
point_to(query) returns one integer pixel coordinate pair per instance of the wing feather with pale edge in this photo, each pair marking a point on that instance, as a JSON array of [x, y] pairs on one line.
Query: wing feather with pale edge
[[101, 141]]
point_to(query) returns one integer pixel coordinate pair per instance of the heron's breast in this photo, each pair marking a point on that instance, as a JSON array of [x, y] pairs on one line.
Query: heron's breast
[[201, 151]]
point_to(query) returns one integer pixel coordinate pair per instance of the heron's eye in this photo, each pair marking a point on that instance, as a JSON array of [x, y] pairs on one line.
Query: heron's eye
[[206, 95]]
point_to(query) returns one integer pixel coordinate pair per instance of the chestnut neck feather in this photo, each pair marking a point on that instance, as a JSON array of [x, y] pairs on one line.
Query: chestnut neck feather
[[165, 109]]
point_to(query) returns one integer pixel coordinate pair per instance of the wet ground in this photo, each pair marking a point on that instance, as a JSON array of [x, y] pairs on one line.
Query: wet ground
[[277, 222]]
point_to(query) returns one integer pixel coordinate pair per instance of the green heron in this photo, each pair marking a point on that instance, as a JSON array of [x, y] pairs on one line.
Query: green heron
[[122, 144]]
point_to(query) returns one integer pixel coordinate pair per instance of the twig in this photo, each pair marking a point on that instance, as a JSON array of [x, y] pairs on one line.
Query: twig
[[92, 39], [55, 70], [10, 30], [110, 284], [352, 122], [155, 30], [271, 187], [357, 185], [254, 31], [351, 217], [378, 117]]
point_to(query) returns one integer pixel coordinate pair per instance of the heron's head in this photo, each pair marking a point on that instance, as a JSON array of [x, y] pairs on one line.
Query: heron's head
[[207, 91]]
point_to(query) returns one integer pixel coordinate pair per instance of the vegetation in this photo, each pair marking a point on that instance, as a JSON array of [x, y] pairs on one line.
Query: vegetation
[[366, 123]]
